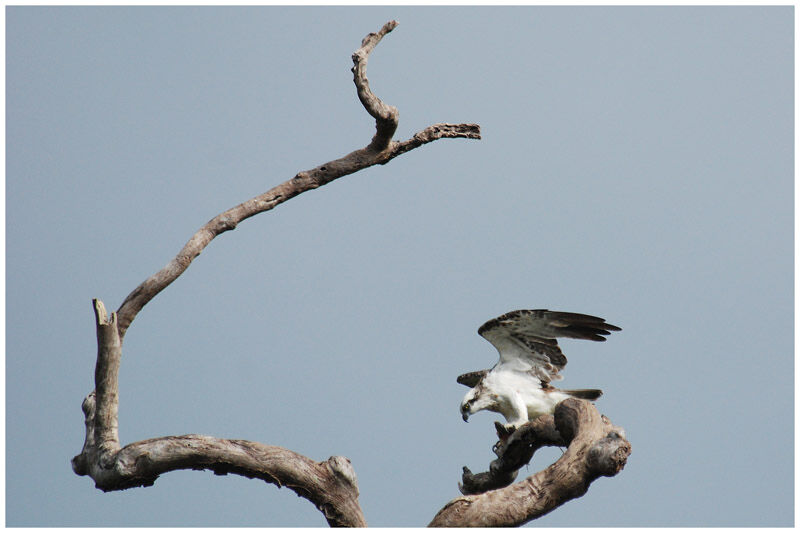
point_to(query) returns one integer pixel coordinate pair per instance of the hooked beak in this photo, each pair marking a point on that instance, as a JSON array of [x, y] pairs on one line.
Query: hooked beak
[[465, 415]]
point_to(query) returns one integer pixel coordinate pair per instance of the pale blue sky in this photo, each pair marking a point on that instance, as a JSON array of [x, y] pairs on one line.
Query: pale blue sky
[[637, 164]]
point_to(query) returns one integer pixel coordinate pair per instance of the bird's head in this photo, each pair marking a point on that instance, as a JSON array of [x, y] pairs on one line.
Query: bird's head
[[473, 402], [466, 410]]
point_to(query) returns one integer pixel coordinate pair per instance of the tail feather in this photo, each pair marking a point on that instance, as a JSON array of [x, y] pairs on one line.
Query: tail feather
[[584, 394]]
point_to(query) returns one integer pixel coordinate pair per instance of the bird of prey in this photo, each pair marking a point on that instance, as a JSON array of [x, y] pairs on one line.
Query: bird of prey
[[518, 386]]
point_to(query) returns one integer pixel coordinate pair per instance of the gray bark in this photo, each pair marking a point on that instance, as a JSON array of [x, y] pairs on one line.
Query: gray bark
[[330, 485], [595, 446], [380, 150], [513, 452]]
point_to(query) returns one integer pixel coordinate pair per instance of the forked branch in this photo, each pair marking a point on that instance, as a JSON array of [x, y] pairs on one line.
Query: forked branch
[[380, 151], [596, 448], [331, 485]]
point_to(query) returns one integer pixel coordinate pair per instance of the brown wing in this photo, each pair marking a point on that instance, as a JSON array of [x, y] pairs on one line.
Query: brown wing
[[551, 324], [529, 336], [470, 379]]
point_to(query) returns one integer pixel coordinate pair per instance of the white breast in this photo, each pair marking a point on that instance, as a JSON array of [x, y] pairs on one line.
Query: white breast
[[519, 391]]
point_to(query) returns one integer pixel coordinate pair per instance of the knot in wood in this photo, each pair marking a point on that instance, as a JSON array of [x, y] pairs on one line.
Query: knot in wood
[[343, 470], [609, 455], [616, 432], [357, 57], [225, 224], [79, 465], [87, 406], [566, 418], [305, 180]]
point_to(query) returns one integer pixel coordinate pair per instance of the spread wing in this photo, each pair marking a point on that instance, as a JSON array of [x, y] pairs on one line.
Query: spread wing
[[527, 338]]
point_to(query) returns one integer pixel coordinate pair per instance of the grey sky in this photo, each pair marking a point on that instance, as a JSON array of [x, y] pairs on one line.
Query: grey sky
[[637, 164]]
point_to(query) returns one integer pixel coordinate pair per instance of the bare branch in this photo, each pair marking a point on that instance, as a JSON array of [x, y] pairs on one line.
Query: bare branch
[[513, 452], [331, 485], [386, 116], [596, 448], [106, 372], [380, 151], [432, 133]]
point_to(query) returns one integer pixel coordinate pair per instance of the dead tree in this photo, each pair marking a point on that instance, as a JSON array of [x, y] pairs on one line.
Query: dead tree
[[595, 447]]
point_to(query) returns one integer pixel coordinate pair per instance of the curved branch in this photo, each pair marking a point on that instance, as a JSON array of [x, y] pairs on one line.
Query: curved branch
[[380, 151], [513, 452], [330, 485], [386, 116], [596, 448]]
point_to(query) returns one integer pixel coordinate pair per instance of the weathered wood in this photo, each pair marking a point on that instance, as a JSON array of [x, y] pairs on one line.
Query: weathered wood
[[331, 485], [109, 354], [380, 151], [596, 448], [386, 116], [513, 452]]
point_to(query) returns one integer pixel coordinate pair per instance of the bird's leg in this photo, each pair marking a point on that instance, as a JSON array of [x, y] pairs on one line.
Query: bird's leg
[[517, 417]]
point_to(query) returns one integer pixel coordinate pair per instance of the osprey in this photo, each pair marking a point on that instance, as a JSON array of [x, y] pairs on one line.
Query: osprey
[[518, 386]]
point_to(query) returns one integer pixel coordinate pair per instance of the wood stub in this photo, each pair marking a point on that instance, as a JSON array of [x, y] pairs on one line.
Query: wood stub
[[82, 461], [106, 379], [608, 455]]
